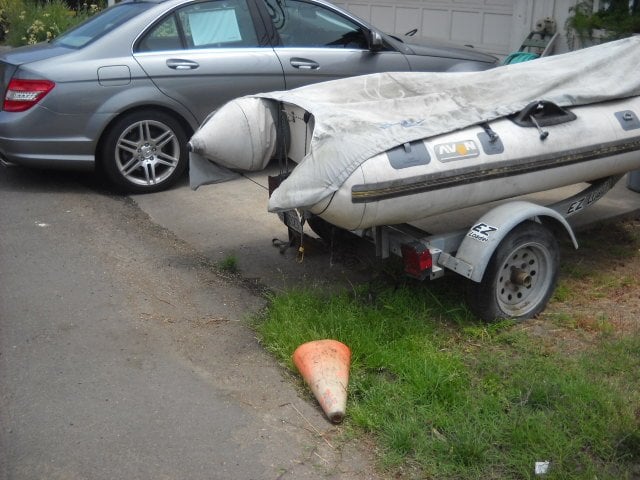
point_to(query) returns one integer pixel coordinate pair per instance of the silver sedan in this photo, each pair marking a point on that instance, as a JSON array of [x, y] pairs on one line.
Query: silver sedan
[[123, 92]]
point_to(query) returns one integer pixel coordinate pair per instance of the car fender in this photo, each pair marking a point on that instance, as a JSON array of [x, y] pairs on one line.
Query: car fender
[[128, 99]]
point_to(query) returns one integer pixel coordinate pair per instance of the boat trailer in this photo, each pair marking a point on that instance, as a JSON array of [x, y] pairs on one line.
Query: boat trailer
[[510, 254]]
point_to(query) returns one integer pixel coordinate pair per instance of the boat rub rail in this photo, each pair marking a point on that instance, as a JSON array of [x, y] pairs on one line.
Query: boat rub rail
[[368, 193]]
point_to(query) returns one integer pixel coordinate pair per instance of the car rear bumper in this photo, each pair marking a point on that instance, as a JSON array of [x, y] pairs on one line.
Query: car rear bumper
[[44, 139]]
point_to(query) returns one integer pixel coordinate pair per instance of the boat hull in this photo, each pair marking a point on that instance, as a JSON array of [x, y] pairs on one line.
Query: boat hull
[[465, 168]]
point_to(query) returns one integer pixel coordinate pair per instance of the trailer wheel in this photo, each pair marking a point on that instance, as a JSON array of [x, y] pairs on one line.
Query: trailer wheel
[[520, 277]]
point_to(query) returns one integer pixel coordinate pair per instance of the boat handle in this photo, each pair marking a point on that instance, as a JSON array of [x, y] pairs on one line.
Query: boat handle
[[542, 113], [543, 133]]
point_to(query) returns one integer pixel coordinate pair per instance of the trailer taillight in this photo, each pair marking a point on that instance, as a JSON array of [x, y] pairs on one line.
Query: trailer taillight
[[417, 260], [23, 94]]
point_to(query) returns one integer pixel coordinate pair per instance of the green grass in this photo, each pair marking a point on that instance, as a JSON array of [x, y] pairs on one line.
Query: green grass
[[452, 398], [229, 264]]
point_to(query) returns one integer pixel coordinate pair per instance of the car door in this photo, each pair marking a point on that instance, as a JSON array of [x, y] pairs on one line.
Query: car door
[[318, 43], [207, 53]]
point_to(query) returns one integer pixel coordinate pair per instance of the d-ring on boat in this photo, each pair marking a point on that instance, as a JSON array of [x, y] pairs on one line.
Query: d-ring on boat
[[386, 149]]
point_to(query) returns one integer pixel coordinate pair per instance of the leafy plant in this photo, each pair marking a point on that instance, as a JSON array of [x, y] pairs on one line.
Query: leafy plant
[[615, 19], [25, 22], [8, 8], [229, 264]]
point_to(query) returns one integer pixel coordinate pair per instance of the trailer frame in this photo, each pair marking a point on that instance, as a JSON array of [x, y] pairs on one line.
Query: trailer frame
[[469, 252]]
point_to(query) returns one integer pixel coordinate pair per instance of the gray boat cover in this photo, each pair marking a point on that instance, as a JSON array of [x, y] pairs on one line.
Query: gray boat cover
[[359, 117]]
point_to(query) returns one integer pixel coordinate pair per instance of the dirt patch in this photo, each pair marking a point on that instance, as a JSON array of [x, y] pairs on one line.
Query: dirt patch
[[598, 292]]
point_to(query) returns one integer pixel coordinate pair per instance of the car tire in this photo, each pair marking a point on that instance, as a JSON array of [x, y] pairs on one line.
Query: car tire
[[144, 152]]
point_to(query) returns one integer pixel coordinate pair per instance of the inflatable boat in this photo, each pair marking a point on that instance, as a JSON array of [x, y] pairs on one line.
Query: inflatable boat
[[390, 148]]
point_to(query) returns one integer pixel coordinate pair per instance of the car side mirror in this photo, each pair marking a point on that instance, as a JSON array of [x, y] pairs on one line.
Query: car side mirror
[[375, 41]]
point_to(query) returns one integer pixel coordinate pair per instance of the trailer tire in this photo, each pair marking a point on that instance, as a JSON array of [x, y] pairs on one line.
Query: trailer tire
[[520, 277]]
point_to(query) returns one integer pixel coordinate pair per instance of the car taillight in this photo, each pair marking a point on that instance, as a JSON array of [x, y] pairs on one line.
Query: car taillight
[[23, 94]]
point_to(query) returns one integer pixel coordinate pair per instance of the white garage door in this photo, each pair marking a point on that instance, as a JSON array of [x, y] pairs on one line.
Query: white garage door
[[494, 26], [485, 24]]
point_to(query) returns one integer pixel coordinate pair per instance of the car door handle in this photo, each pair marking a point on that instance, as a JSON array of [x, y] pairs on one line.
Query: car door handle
[[180, 64], [304, 64]]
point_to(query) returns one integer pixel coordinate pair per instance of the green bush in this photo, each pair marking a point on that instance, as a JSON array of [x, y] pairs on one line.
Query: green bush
[[3, 20], [615, 19], [27, 22]]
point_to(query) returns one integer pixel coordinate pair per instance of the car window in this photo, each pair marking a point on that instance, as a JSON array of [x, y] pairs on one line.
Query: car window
[[302, 24], [218, 24], [98, 25], [164, 36]]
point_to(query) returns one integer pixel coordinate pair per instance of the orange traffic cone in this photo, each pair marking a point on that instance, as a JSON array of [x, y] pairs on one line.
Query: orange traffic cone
[[324, 365]]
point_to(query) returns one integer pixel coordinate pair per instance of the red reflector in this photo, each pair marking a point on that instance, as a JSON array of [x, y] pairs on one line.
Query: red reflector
[[23, 94], [417, 260]]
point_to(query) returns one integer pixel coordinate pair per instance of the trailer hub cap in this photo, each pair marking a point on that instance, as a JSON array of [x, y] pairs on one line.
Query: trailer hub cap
[[520, 277], [525, 278]]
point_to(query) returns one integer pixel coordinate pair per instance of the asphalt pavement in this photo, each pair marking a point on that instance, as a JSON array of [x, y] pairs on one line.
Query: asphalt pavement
[[124, 355], [230, 219]]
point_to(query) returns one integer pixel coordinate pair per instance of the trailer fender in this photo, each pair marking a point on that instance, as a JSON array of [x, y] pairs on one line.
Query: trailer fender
[[482, 239]]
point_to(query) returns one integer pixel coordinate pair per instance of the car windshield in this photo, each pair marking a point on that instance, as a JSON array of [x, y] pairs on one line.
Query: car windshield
[[100, 24]]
